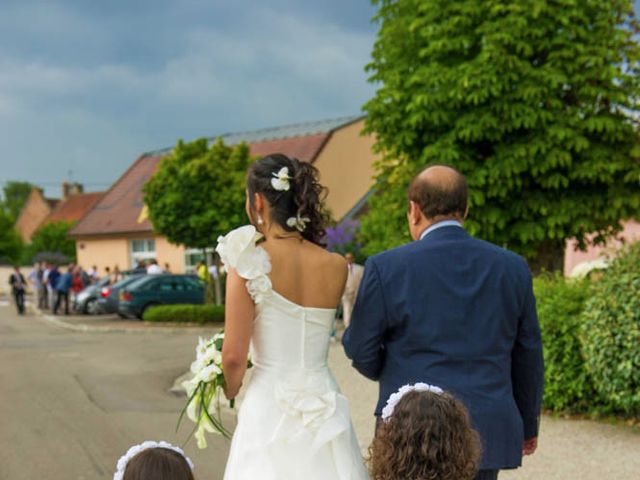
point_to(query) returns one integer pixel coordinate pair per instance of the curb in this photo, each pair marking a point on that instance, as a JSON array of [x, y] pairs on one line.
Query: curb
[[83, 328]]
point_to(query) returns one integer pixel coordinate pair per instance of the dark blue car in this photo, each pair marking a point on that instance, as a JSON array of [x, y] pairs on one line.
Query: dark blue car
[[151, 290]]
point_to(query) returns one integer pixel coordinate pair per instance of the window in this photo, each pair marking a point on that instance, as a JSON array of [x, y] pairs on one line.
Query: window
[[142, 249]]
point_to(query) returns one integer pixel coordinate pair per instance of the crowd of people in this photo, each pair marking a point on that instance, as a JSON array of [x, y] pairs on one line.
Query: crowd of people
[[55, 287]]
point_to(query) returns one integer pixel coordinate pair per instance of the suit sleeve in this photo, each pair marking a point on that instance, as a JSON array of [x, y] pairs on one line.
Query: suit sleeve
[[363, 340], [527, 365]]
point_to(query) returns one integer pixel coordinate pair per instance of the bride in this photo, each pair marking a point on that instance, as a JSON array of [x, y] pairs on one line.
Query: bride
[[282, 289]]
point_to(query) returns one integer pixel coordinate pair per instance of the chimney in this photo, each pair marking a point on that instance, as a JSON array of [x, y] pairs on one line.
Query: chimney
[[69, 189], [65, 190]]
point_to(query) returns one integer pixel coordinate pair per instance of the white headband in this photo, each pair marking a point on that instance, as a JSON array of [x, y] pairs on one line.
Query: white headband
[[387, 411], [136, 449]]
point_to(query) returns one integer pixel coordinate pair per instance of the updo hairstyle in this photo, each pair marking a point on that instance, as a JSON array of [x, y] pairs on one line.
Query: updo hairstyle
[[304, 199]]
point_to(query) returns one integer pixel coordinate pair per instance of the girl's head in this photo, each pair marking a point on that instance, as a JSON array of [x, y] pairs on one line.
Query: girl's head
[[425, 435], [284, 191], [154, 461]]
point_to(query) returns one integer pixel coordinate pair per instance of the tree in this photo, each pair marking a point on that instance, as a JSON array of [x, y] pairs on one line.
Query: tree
[[15, 196], [10, 241], [536, 102], [198, 192], [51, 241]]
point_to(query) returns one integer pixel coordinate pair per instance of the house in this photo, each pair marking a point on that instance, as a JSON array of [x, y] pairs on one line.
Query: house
[[39, 211], [116, 231], [35, 210], [575, 258]]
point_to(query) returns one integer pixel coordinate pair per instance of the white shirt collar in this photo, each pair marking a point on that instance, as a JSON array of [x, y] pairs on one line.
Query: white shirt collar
[[436, 226]]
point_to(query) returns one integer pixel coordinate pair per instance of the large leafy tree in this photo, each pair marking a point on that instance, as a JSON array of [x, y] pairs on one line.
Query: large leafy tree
[[52, 242], [15, 196], [198, 194], [535, 101], [10, 241]]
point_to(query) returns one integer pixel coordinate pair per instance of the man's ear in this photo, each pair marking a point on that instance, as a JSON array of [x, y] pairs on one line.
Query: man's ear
[[415, 215]]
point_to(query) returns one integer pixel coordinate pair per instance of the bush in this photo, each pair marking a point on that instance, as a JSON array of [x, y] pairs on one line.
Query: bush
[[611, 334], [560, 303], [185, 313]]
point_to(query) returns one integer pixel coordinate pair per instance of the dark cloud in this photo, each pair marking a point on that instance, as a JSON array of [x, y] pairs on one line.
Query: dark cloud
[[87, 86]]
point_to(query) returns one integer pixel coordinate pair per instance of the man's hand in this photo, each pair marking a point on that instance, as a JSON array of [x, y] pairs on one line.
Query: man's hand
[[529, 446]]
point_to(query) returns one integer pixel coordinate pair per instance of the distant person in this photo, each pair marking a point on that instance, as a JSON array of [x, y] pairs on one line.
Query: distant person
[[43, 295], [63, 286], [203, 271], [154, 461], [52, 280], [93, 274], [77, 285], [167, 268], [351, 288], [35, 278], [154, 268], [115, 276], [213, 271], [425, 433], [18, 287], [140, 269], [107, 272]]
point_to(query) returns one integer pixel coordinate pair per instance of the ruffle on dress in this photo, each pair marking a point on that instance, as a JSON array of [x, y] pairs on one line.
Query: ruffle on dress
[[238, 250]]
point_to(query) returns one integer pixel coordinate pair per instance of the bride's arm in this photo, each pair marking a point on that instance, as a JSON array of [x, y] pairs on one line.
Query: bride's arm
[[239, 316]]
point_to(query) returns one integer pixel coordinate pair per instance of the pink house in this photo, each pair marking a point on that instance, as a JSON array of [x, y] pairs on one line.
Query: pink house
[[572, 258]]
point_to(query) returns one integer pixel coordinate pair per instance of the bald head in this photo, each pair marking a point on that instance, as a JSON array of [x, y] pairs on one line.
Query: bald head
[[440, 192]]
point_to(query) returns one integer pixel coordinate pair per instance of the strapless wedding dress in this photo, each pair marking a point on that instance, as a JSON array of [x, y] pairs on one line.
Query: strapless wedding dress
[[294, 422]]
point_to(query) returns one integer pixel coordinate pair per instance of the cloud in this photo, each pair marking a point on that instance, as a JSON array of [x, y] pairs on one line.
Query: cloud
[[89, 85]]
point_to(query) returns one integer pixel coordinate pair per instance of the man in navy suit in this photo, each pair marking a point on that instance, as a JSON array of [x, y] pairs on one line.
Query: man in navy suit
[[457, 312]]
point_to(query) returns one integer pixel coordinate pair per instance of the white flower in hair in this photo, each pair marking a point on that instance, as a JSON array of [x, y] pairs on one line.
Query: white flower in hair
[[136, 449], [395, 398], [298, 222], [280, 180]]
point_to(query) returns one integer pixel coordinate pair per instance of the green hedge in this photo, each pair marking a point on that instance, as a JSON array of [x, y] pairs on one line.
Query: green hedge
[[560, 302], [611, 334], [185, 313]]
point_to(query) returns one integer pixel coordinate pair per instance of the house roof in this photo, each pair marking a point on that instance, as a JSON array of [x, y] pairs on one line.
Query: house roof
[[121, 209], [74, 207]]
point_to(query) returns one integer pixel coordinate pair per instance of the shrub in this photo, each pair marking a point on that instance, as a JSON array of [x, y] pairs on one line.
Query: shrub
[[185, 313], [560, 302], [611, 334]]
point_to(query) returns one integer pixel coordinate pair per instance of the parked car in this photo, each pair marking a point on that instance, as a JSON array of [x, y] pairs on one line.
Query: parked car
[[87, 299], [108, 301], [151, 290]]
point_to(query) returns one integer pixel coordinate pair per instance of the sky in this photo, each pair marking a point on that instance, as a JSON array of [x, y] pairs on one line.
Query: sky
[[87, 86]]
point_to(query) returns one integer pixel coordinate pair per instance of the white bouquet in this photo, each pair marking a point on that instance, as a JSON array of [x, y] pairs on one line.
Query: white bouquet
[[205, 389]]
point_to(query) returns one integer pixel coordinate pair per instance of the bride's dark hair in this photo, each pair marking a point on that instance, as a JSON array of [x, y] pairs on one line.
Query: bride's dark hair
[[303, 199]]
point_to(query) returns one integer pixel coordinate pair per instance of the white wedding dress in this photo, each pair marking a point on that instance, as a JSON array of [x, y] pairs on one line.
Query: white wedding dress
[[293, 423]]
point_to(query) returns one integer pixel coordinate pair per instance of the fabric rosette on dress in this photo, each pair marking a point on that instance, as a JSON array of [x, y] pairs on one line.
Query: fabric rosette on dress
[[315, 416]]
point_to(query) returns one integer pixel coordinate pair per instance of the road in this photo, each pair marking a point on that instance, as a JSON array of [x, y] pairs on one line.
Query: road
[[72, 402]]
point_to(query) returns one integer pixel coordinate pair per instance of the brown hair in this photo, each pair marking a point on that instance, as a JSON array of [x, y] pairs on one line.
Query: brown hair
[[428, 437], [305, 197], [158, 464], [442, 199]]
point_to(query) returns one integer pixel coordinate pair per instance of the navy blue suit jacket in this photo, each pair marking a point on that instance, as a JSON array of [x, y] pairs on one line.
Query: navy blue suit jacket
[[456, 312]]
